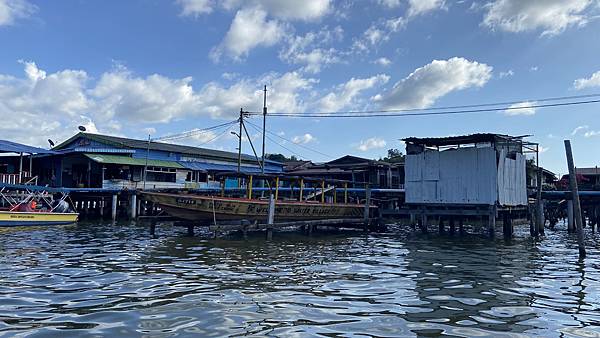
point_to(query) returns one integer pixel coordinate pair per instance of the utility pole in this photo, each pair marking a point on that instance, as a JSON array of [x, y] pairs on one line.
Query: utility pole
[[575, 197], [239, 170], [146, 165], [264, 127]]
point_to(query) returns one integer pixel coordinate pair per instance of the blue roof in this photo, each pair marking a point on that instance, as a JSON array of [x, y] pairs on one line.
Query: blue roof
[[12, 147], [204, 166]]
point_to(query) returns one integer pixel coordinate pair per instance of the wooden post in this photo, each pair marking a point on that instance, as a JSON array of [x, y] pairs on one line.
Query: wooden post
[[301, 189], [441, 225], [367, 206], [190, 230], [270, 216], [451, 225], [334, 195], [133, 205], [115, 201], [412, 221], [492, 221], [423, 223], [323, 191], [152, 228], [540, 203], [576, 204], [506, 226], [345, 192], [276, 188], [250, 187], [101, 207], [570, 218], [461, 226]]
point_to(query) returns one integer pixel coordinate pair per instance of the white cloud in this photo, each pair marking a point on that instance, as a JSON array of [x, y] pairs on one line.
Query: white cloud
[[383, 61], [304, 139], [542, 149], [533, 69], [249, 29], [195, 7], [592, 133], [426, 84], [420, 7], [592, 81], [506, 74], [521, 108], [12, 10], [390, 3], [578, 129], [306, 10], [371, 143], [550, 16], [309, 50], [52, 105], [345, 94]]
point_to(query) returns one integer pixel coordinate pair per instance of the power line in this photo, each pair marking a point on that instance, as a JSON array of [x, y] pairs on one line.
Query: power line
[[192, 133], [285, 139], [433, 111]]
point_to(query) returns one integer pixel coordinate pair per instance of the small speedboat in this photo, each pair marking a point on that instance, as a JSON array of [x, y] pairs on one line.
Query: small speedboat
[[32, 205]]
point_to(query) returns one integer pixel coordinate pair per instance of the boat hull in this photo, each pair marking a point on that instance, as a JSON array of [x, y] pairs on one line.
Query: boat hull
[[209, 209], [13, 219]]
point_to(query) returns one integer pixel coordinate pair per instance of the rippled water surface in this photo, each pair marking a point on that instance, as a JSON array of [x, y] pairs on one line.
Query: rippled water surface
[[103, 279]]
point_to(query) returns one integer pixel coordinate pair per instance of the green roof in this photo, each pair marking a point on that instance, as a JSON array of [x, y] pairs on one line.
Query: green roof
[[126, 160]]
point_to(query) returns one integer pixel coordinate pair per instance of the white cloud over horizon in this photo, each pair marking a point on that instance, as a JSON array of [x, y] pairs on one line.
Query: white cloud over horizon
[[371, 143]]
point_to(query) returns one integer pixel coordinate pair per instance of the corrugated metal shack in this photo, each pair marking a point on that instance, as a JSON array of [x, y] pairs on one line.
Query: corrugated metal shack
[[463, 175]]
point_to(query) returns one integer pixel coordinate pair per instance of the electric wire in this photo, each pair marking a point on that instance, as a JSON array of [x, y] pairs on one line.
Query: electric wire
[[292, 142], [192, 133], [433, 111], [285, 139]]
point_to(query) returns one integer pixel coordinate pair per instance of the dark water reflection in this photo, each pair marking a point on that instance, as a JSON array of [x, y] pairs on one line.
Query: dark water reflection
[[95, 279]]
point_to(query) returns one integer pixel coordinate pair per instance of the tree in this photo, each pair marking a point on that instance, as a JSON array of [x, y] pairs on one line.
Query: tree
[[280, 157], [393, 156]]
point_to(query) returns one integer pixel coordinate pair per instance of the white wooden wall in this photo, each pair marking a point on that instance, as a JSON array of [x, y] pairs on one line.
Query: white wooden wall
[[465, 176]]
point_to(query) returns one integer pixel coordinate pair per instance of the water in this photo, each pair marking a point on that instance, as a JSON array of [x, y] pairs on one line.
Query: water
[[115, 280]]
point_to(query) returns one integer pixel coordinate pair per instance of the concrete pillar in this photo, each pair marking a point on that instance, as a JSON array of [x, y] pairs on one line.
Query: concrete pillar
[[115, 202], [492, 222], [270, 217]]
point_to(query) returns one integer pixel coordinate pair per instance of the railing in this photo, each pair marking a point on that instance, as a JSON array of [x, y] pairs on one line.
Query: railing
[[10, 178]]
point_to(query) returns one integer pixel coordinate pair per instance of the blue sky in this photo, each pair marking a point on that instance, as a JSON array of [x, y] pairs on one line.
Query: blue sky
[[168, 66]]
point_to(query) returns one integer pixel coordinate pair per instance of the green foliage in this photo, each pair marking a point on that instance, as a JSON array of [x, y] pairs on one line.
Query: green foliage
[[280, 157], [393, 156]]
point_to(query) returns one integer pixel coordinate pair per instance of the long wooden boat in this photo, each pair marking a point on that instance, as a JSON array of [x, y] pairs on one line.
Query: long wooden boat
[[210, 208], [19, 218]]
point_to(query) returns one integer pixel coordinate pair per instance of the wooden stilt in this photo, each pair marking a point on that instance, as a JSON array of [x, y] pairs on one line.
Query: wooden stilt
[[461, 227], [115, 201], [190, 230], [441, 225], [576, 204], [452, 229], [492, 222], [423, 224]]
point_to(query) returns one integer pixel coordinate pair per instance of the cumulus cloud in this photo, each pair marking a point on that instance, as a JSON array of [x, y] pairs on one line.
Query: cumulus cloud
[[383, 61], [592, 81], [506, 74], [426, 84], [420, 7], [52, 105], [12, 10], [286, 9], [249, 29], [578, 129], [303, 139], [309, 50], [522, 108], [195, 7], [345, 94], [371, 143], [550, 16]]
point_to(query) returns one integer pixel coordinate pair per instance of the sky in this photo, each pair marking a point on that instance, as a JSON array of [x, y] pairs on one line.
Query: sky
[[163, 67]]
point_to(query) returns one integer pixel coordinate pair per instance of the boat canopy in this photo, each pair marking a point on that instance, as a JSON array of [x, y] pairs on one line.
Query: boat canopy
[[13, 147]]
